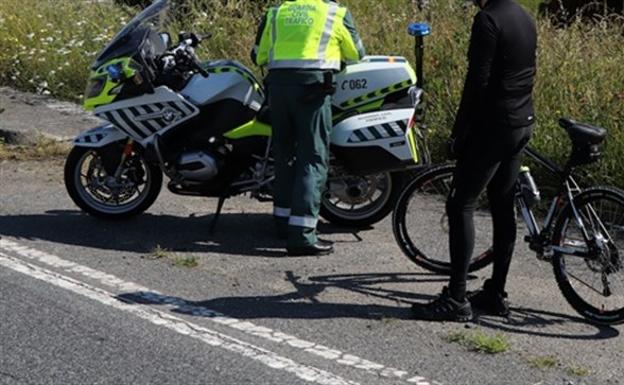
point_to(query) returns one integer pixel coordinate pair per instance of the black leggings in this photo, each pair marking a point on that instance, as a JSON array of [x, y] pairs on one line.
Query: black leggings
[[490, 159]]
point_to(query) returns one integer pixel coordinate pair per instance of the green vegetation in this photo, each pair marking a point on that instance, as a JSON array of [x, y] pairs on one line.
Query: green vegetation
[[578, 371], [531, 4], [543, 362], [479, 341], [189, 261], [159, 252], [48, 45], [550, 362]]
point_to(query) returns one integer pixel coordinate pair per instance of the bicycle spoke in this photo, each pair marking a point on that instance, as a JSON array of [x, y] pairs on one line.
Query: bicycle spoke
[[594, 286], [585, 283]]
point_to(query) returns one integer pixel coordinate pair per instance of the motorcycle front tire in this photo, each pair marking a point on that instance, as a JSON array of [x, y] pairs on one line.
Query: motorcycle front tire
[[78, 194]]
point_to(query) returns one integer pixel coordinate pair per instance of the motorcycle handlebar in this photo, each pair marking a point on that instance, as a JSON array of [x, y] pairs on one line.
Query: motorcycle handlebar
[[184, 53]]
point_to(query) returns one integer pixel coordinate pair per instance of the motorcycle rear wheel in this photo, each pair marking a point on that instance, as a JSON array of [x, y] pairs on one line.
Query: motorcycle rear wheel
[[362, 200]]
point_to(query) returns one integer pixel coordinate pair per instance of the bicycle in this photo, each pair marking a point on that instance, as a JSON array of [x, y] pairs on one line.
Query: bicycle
[[581, 236]]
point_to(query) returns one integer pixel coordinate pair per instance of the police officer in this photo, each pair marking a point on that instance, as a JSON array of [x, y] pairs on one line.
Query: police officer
[[302, 43], [493, 125]]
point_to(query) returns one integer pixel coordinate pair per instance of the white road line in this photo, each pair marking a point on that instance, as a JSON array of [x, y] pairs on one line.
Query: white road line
[[183, 306], [178, 325]]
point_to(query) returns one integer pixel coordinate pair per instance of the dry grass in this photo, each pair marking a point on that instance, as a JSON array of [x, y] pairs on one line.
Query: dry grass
[[42, 149]]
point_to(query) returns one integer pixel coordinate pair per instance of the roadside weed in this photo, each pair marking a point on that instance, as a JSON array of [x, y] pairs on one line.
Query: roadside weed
[[480, 342], [189, 261], [159, 252], [543, 362], [578, 371]]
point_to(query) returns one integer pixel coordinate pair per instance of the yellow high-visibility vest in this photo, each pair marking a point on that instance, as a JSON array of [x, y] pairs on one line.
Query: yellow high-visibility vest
[[306, 34]]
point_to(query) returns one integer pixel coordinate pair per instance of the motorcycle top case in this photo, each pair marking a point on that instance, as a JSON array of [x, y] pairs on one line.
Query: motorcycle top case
[[372, 79], [373, 142]]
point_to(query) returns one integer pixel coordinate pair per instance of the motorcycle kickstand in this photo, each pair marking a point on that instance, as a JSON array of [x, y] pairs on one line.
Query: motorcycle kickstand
[[215, 219]]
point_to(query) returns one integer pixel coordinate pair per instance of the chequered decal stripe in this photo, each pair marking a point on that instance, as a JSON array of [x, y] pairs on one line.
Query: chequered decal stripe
[[94, 138], [129, 119], [381, 131], [377, 94]]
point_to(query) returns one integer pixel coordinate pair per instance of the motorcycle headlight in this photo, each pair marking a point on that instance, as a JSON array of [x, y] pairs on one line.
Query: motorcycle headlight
[[95, 87]]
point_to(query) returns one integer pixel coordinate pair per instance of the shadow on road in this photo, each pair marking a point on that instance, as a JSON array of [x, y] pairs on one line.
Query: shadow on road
[[303, 301], [250, 234], [532, 322]]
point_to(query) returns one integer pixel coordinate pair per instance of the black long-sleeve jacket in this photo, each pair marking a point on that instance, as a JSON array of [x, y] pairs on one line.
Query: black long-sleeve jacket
[[501, 71]]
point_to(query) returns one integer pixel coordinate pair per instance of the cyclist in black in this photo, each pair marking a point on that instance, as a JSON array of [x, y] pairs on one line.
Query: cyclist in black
[[493, 125]]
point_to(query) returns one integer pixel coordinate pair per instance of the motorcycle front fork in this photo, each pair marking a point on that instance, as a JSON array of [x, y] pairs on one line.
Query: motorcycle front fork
[[127, 151]]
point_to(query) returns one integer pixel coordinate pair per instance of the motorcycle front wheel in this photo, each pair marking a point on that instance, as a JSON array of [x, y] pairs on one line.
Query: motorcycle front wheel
[[360, 201], [131, 190]]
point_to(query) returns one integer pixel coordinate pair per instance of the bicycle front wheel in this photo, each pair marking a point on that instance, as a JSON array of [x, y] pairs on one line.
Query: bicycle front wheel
[[420, 223], [590, 273]]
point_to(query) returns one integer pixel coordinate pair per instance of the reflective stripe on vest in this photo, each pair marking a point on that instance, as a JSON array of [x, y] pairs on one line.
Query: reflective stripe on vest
[[302, 35]]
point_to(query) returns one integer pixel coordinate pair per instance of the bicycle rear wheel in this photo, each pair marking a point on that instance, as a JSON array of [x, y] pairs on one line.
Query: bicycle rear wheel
[[420, 223], [593, 284]]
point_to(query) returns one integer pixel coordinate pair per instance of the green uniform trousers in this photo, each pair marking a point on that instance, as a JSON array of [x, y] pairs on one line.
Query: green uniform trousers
[[301, 119]]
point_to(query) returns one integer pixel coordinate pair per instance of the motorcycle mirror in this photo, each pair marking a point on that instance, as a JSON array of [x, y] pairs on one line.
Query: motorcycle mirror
[[183, 36], [166, 39]]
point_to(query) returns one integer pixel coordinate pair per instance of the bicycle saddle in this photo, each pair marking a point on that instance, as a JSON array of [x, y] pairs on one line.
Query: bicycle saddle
[[583, 133]]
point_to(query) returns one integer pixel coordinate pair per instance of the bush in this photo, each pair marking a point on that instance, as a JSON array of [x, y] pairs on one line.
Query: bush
[[566, 11], [48, 45]]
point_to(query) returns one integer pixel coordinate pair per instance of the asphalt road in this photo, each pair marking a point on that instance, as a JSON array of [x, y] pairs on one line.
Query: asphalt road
[[84, 301]]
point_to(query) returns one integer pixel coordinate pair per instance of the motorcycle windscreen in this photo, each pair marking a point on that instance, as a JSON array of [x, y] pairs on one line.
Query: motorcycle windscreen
[[131, 38]]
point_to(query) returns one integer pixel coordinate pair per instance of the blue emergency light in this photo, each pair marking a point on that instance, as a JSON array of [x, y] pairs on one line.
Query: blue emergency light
[[115, 72], [419, 29]]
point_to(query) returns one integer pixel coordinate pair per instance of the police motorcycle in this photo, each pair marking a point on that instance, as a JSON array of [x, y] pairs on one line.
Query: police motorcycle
[[206, 126]]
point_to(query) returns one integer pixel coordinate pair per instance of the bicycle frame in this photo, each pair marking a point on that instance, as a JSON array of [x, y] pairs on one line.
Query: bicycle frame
[[539, 239]]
